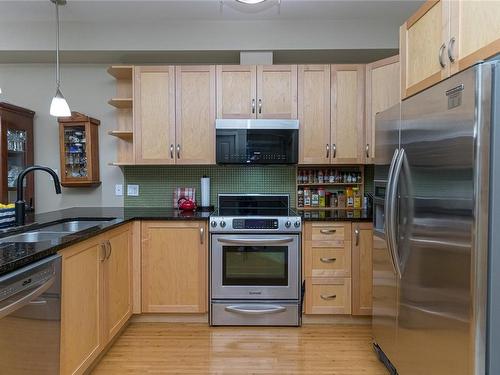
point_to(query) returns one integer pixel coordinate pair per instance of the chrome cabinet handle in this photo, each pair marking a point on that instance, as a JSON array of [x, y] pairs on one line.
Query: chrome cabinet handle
[[104, 251], [258, 310], [367, 150], [441, 58], [356, 235], [260, 106], [253, 105], [328, 231], [171, 151], [328, 260], [334, 148], [327, 150], [202, 235], [328, 297], [254, 241], [178, 151], [451, 45], [110, 249]]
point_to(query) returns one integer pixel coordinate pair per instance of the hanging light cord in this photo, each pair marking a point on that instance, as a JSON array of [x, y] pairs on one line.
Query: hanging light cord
[[58, 74]]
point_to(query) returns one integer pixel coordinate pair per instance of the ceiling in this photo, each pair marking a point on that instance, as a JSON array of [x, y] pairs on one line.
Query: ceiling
[[150, 11]]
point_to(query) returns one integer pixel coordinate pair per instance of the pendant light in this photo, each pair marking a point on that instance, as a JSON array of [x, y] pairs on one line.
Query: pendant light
[[59, 107]]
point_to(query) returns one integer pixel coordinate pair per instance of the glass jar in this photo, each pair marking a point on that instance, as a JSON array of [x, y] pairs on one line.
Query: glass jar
[[322, 197], [341, 200], [349, 197], [357, 197]]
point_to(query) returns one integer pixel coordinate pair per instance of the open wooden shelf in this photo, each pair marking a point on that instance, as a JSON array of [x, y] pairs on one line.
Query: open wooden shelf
[[121, 71], [126, 135], [121, 102], [331, 184]]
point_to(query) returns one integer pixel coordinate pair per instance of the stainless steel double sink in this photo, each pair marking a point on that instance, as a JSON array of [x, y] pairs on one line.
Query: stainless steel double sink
[[54, 232]]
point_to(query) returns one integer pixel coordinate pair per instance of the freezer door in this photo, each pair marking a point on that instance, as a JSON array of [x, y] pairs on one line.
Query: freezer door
[[385, 280], [437, 181]]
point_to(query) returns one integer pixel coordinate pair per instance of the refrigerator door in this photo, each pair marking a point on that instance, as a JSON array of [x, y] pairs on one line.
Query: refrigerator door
[[385, 280], [439, 176]]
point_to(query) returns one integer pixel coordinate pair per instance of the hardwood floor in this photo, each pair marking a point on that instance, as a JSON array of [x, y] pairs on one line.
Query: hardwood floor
[[173, 348]]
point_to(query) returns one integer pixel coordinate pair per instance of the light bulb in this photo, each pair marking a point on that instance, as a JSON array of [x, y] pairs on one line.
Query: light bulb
[[59, 106]]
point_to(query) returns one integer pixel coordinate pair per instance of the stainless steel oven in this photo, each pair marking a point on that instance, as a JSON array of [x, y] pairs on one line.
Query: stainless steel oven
[[255, 266], [257, 141]]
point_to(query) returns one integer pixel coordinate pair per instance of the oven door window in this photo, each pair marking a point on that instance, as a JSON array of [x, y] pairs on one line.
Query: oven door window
[[255, 265]]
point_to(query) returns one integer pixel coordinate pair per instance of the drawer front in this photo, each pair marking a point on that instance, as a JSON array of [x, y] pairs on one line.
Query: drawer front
[[328, 232], [330, 262], [246, 313], [328, 296]]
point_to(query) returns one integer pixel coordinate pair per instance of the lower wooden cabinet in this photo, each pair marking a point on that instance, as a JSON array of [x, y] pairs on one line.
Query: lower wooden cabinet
[[362, 268], [328, 295], [174, 267], [96, 298]]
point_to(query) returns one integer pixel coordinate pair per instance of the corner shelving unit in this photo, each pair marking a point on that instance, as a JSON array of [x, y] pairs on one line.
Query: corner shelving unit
[[337, 170], [123, 102]]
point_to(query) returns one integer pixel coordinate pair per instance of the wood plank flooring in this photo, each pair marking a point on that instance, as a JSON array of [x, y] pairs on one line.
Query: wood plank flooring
[[173, 348]]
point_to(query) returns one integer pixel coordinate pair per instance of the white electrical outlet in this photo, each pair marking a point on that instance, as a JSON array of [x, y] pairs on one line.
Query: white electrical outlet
[[133, 190], [118, 190]]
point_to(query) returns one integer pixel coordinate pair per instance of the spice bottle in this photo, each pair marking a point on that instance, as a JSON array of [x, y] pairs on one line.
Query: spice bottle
[[322, 197], [314, 198], [341, 200], [300, 197], [349, 197], [307, 197], [357, 197]]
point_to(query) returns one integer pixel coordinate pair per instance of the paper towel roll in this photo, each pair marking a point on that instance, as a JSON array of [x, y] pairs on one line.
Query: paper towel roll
[[205, 191]]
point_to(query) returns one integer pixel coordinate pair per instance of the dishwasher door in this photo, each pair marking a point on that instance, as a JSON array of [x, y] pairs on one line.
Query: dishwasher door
[[30, 317]]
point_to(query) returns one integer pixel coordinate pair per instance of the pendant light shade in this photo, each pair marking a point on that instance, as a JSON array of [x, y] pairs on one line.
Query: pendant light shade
[[59, 106]]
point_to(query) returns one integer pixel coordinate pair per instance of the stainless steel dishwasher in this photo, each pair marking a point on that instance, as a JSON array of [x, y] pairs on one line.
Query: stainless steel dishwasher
[[30, 319]]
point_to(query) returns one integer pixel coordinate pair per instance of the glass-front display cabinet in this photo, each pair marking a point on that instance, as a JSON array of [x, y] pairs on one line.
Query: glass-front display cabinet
[[79, 146], [16, 148]]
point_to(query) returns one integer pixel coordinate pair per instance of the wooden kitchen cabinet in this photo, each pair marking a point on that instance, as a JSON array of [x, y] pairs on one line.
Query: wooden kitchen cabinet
[[236, 91], [96, 299], [314, 114], [262, 91], [174, 267], [444, 37], [117, 280], [382, 92], [328, 296], [347, 114], [81, 306], [154, 114], [277, 91], [195, 114], [362, 268]]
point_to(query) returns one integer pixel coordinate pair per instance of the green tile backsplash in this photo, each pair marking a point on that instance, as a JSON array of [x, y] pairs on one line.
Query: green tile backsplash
[[157, 183]]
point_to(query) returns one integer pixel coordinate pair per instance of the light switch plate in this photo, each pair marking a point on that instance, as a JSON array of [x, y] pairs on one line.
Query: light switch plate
[[118, 190], [133, 190]]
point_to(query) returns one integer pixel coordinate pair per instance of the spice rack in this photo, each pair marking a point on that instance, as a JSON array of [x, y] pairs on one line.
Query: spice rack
[[328, 188]]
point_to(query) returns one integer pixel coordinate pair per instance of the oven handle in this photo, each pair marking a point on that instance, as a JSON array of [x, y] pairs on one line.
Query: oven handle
[[255, 241], [258, 310]]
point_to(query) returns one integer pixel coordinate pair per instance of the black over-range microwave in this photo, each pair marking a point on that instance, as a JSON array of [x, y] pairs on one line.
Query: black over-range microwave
[[240, 141]]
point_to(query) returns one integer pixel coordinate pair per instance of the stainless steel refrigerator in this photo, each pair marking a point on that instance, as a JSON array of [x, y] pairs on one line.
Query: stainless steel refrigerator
[[436, 277]]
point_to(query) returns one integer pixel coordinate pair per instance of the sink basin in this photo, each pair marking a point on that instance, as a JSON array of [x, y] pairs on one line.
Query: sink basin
[[37, 236], [73, 226]]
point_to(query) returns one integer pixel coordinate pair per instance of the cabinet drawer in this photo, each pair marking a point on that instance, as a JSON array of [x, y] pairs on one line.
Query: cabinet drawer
[[328, 296], [328, 262], [330, 232]]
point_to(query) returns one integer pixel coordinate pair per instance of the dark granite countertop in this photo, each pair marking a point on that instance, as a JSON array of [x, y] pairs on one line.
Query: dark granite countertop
[[14, 255], [336, 215]]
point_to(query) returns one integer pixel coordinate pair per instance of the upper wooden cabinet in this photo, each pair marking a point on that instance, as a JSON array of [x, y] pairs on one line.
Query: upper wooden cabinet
[[444, 37], [174, 267], [154, 114], [314, 114], [382, 92], [347, 114], [195, 114], [263, 91]]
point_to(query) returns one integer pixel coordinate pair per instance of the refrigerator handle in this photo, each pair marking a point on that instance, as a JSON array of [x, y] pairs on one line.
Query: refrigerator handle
[[393, 190], [388, 208]]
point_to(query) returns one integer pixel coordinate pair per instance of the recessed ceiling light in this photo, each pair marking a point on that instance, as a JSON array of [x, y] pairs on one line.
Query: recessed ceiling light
[[250, 1]]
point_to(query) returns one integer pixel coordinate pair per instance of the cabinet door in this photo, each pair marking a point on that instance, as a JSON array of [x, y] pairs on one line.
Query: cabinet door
[[475, 32], [422, 48], [81, 306], [277, 91], [236, 91], [328, 296], [195, 114], [382, 92], [154, 114], [174, 267], [314, 114], [362, 268], [117, 280], [347, 114]]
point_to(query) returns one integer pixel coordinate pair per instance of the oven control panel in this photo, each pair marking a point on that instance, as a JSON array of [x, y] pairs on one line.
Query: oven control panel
[[255, 224]]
